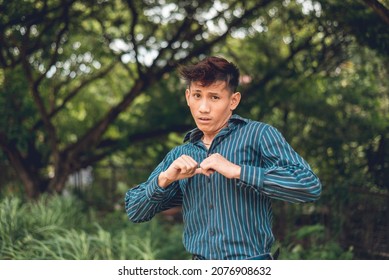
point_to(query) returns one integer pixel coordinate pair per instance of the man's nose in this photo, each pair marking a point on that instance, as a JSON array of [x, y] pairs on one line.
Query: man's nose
[[204, 106]]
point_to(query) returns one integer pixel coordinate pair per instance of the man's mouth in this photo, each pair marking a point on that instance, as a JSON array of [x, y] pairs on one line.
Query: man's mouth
[[204, 119]]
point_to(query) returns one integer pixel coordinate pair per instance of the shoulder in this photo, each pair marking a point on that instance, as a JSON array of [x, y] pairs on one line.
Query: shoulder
[[259, 131], [180, 150], [183, 147], [255, 127]]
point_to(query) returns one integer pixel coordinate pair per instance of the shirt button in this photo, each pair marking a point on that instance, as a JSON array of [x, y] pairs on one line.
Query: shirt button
[[211, 206], [212, 233]]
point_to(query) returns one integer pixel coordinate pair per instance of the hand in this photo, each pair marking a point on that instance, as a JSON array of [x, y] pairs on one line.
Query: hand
[[183, 167], [217, 162]]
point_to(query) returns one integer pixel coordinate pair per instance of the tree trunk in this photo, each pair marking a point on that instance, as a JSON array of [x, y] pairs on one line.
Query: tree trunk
[[27, 177]]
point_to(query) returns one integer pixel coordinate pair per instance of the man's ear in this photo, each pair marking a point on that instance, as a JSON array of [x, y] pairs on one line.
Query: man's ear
[[235, 99], [187, 93]]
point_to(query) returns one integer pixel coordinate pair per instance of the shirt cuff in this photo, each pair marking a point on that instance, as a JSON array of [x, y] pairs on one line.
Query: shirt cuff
[[154, 192], [252, 176]]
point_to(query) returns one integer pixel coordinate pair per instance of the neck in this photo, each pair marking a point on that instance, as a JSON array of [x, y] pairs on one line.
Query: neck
[[208, 137], [206, 143]]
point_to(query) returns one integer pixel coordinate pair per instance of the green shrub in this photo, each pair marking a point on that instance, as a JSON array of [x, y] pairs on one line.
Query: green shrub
[[310, 243], [56, 227], [13, 226]]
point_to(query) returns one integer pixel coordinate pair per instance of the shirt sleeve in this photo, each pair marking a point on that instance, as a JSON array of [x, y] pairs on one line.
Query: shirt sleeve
[[283, 174], [144, 201]]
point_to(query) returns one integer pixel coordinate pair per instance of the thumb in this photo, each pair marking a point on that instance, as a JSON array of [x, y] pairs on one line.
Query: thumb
[[204, 172], [199, 171]]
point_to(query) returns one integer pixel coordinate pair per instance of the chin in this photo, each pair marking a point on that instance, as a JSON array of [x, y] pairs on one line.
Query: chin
[[202, 127]]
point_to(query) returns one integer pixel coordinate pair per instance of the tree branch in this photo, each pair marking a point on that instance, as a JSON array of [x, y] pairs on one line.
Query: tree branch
[[134, 22], [93, 136], [183, 27], [20, 164], [207, 46], [379, 9], [110, 146], [54, 57]]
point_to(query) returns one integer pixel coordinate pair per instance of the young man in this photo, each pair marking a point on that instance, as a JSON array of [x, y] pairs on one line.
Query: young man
[[225, 174]]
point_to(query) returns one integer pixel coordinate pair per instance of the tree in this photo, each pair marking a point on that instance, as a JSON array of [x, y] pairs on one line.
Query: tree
[[71, 70], [83, 81], [322, 79], [53, 53]]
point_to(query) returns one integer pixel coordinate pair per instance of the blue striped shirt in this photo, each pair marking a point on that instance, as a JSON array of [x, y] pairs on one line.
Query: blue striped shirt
[[229, 218]]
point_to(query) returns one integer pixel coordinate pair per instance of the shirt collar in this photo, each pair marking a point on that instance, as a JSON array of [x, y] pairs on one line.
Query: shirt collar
[[195, 134]]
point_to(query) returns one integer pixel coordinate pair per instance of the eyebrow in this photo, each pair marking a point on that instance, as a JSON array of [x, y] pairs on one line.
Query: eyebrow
[[206, 92]]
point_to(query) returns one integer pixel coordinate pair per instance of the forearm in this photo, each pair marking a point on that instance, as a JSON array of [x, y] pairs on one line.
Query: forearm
[[282, 173], [292, 183], [148, 199], [139, 206], [163, 180], [296, 184]]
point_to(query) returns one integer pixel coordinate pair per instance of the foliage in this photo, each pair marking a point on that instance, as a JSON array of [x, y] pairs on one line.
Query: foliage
[[63, 228], [310, 244], [82, 65], [86, 83], [58, 228]]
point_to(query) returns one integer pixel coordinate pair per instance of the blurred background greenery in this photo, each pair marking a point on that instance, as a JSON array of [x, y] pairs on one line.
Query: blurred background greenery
[[90, 102]]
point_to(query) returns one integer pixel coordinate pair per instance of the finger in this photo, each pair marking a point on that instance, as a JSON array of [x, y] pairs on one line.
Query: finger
[[191, 163], [210, 171], [202, 171], [184, 166], [206, 164], [188, 160], [187, 164], [207, 172], [198, 171]]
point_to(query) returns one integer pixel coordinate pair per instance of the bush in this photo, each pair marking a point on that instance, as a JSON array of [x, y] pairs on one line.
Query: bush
[[310, 243], [56, 227]]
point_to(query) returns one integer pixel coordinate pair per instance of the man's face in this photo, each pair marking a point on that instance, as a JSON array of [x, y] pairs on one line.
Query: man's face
[[211, 106]]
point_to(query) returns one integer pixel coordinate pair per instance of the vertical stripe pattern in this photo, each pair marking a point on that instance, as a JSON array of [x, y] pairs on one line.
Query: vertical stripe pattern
[[229, 218]]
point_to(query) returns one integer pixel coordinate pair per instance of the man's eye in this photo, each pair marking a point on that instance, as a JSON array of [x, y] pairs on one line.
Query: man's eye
[[196, 95], [215, 97]]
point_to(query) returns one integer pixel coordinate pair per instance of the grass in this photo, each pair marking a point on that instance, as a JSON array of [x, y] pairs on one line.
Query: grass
[[65, 228], [59, 228]]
